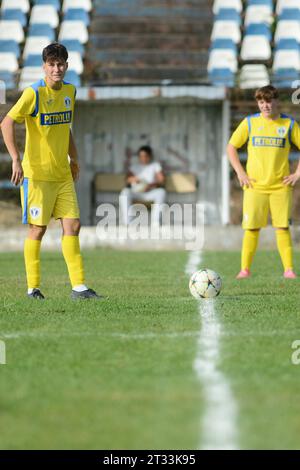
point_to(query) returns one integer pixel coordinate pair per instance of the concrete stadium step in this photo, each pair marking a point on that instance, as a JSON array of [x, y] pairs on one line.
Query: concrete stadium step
[[129, 75], [157, 10], [150, 58]]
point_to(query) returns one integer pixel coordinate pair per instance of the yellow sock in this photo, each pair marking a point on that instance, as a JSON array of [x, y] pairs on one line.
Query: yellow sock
[[73, 259], [284, 245], [249, 247], [32, 262]]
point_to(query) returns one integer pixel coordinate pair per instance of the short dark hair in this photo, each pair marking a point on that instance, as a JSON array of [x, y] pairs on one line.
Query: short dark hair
[[267, 93], [147, 149], [55, 51]]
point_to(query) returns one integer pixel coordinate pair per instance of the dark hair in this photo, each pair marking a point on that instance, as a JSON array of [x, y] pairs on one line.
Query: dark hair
[[147, 149], [55, 51], [266, 93]]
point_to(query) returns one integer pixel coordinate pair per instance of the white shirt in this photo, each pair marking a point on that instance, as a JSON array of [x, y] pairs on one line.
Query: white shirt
[[146, 173]]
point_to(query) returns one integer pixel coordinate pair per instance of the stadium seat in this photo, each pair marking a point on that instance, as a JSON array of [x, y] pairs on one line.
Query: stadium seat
[[234, 4], [30, 75], [258, 29], [75, 62], [85, 4], [44, 14], [258, 14], [77, 14], [255, 48], [34, 61], [289, 44], [222, 77], [260, 2], [224, 44], [34, 45], [54, 3], [41, 30], [228, 14], [226, 30], [253, 76], [72, 77], [11, 30], [287, 29], [283, 4], [74, 45], [23, 5], [14, 14], [286, 59], [8, 62], [73, 30], [289, 14], [283, 78], [9, 80], [10, 46], [222, 59]]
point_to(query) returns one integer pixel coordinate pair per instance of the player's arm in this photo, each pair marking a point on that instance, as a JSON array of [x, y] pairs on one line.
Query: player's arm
[[159, 181], [238, 139], [294, 177], [131, 178], [73, 154], [8, 132]]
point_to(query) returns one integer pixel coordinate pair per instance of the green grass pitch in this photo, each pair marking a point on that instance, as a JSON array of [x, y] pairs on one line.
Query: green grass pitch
[[119, 373]]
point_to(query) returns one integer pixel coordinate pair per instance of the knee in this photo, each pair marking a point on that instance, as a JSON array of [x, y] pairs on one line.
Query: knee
[[36, 232], [75, 227]]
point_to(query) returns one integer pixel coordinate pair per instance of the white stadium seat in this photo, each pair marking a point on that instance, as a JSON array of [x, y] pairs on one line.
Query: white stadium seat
[[8, 62], [73, 30], [286, 59], [234, 4], [44, 14], [224, 59], [255, 48], [75, 62], [85, 4], [283, 4], [254, 76], [30, 75], [11, 30], [258, 14], [34, 45], [23, 5], [287, 29], [226, 30]]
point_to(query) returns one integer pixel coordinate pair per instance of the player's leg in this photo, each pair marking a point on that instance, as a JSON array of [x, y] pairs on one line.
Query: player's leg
[[36, 207], [66, 209], [158, 196], [255, 216], [280, 206]]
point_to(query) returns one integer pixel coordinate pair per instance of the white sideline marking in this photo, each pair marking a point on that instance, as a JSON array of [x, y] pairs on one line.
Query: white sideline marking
[[220, 412], [129, 336]]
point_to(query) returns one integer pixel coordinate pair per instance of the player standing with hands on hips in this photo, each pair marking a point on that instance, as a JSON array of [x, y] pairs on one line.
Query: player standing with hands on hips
[[267, 183], [46, 174]]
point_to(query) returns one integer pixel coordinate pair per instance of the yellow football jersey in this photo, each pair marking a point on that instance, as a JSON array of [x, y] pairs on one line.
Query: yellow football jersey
[[48, 116], [269, 143]]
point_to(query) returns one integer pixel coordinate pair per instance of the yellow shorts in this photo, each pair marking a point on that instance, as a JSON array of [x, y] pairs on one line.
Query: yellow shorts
[[257, 206], [43, 199]]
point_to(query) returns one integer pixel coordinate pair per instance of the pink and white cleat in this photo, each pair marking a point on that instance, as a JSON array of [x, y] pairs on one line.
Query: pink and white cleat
[[243, 274], [289, 274]]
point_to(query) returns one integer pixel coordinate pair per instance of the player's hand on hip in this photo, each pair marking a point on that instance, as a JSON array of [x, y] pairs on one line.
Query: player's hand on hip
[[245, 180], [291, 179], [75, 170], [17, 173]]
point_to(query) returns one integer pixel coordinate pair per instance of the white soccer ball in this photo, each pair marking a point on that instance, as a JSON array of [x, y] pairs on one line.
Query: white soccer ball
[[205, 284]]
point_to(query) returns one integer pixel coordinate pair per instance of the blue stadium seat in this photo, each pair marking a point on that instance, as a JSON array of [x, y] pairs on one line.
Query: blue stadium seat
[[9, 80], [223, 44], [258, 29], [72, 77], [228, 14], [34, 61], [221, 77], [43, 30], [287, 44], [73, 45], [260, 2], [10, 46], [77, 14], [15, 14], [55, 3], [283, 78], [292, 14]]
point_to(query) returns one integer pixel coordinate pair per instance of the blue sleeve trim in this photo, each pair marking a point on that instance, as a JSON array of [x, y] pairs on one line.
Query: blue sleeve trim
[[290, 129], [36, 87], [25, 201], [249, 124]]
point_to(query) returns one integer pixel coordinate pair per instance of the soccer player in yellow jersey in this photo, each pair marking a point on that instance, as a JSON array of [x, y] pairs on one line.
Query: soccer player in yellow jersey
[[267, 181], [46, 173]]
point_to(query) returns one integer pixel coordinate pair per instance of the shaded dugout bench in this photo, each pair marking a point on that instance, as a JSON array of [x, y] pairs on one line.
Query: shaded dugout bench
[[106, 187]]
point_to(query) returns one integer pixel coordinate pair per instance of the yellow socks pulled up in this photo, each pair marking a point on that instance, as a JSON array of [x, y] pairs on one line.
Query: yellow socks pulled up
[[71, 251], [284, 245], [250, 242], [32, 262]]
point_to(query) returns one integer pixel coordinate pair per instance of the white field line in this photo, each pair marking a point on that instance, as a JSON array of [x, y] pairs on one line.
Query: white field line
[[127, 336], [220, 410]]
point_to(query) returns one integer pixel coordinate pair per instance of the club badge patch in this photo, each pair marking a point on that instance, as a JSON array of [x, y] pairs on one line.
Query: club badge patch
[[34, 212], [67, 102]]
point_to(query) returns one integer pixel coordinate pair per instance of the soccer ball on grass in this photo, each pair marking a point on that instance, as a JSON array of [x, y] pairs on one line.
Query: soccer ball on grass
[[205, 284]]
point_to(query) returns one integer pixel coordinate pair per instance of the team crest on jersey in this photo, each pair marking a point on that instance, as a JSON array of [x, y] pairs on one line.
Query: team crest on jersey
[[67, 102], [34, 212], [281, 131]]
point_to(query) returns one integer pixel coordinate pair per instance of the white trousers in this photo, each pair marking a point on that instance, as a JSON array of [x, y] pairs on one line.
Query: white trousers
[[157, 196]]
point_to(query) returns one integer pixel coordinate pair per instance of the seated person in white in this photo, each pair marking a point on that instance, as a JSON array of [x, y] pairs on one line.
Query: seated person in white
[[145, 180]]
